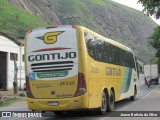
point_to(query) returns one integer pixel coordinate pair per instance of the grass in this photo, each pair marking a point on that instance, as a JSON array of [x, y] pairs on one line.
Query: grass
[[15, 21], [95, 2], [10, 101], [71, 9]]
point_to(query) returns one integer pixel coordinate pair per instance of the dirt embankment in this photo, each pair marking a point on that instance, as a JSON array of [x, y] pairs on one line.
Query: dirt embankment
[[46, 13]]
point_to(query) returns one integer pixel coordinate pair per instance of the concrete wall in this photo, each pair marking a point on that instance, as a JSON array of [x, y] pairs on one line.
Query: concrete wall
[[8, 46], [20, 72]]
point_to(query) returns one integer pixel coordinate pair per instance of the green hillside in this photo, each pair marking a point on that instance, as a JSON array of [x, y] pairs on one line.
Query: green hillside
[[74, 8], [112, 20], [118, 22], [15, 21]]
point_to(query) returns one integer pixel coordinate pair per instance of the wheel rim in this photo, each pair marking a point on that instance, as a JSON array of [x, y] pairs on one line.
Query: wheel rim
[[104, 102]]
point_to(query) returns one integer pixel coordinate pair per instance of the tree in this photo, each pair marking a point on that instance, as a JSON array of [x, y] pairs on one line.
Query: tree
[[156, 41], [152, 7]]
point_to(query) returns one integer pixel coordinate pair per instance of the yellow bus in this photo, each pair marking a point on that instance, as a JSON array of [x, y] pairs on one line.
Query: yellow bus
[[73, 68]]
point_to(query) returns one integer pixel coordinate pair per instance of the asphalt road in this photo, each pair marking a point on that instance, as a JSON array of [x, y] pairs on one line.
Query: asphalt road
[[147, 100]]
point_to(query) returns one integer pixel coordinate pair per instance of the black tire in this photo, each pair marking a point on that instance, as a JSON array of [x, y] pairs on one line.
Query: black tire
[[132, 98], [59, 113], [149, 85], [103, 108], [110, 103]]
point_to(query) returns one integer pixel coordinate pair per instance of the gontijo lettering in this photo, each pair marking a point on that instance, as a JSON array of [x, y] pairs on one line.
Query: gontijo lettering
[[113, 71], [51, 56]]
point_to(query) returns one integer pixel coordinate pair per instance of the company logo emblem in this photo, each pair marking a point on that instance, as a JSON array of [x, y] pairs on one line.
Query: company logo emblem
[[50, 37]]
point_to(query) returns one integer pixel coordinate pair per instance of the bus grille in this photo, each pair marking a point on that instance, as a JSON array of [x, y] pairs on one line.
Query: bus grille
[[52, 66]]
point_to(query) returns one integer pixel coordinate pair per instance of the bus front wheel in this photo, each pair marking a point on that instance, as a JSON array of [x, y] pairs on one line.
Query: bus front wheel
[[132, 98], [103, 108]]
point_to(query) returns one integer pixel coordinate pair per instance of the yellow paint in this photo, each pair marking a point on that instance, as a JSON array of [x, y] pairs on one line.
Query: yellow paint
[[95, 77]]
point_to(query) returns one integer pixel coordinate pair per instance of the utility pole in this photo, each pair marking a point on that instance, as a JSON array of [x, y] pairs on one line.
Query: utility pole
[[15, 84], [20, 65]]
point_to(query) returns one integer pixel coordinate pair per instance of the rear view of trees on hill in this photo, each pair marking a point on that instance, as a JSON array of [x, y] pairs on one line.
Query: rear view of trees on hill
[[152, 7]]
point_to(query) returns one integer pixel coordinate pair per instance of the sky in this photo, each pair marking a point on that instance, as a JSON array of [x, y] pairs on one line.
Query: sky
[[133, 4]]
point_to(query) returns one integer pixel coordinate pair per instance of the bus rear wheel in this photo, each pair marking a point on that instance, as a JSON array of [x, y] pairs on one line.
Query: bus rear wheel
[[110, 103]]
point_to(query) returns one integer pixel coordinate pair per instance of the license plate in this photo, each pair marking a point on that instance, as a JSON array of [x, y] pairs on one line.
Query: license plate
[[54, 103]]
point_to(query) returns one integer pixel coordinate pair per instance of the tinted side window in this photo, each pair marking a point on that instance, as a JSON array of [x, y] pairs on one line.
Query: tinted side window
[[102, 51], [122, 57], [90, 42], [106, 53], [91, 48], [132, 61], [99, 49]]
